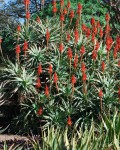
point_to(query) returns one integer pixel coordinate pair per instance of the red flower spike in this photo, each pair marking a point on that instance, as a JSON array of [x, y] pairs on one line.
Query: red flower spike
[[109, 42], [92, 21], [18, 28], [26, 2], [25, 46], [46, 91], [55, 78], [83, 68], [54, 10], [61, 47], [103, 66], [47, 35], [61, 3], [69, 53], [68, 37], [79, 6], [69, 121], [71, 15], [27, 15], [95, 30], [62, 18], [76, 35], [107, 17], [78, 12], [50, 69], [65, 11], [101, 33], [94, 55], [38, 19], [39, 69], [93, 37], [97, 46], [100, 93], [84, 28], [40, 111], [75, 64], [76, 58], [38, 84], [73, 80], [84, 77], [82, 50], [17, 49], [98, 24], [53, 2], [68, 4]]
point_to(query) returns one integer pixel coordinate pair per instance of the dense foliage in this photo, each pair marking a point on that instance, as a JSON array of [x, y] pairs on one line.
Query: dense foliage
[[64, 70]]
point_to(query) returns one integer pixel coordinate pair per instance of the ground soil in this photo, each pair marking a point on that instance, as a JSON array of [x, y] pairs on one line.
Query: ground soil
[[6, 137]]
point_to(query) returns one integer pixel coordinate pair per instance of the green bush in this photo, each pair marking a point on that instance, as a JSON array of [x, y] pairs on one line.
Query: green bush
[[83, 82]]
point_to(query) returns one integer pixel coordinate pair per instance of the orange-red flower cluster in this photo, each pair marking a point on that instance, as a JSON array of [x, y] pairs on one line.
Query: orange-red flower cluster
[[26, 2], [68, 37], [100, 93], [18, 28], [38, 83], [69, 53], [62, 17], [109, 42], [73, 80], [61, 3], [83, 69], [47, 35], [47, 91], [84, 28], [79, 9], [92, 21], [68, 4], [50, 69], [71, 15], [40, 111], [107, 17], [76, 36], [17, 49], [65, 11], [39, 69], [82, 50], [25, 46], [69, 121], [27, 15], [54, 9]]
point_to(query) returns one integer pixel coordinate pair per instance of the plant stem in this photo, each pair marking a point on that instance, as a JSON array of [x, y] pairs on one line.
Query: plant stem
[[101, 105], [84, 87]]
